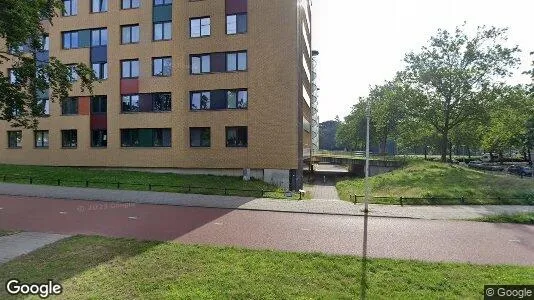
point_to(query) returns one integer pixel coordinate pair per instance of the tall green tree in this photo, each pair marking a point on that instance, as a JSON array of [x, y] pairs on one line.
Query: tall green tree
[[456, 73], [22, 34], [327, 134], [351, 134]]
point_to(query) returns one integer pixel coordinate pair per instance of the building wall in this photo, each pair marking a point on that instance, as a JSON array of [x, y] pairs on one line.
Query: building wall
[[272, 81]]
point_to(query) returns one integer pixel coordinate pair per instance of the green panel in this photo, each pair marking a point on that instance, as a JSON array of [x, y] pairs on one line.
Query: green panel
[[84, 38], [162, 13], [145, 138]]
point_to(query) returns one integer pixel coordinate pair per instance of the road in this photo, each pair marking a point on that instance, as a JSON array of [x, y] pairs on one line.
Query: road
[[458, 241]]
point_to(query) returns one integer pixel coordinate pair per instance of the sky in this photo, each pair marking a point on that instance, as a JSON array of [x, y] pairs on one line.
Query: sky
[[362, 43]]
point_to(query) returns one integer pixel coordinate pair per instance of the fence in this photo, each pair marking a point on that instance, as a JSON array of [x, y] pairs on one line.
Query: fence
[[528, 200], [189, 189]]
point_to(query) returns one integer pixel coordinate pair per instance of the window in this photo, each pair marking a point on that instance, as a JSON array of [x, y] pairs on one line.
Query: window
[[200, 100], [99, 138], [162, 31], [70, 40], [12, 76], [130, 34], [130, 68], [236, 137], [73, 75], [128, 4], [159, 137], [14, 139], [99, 37], [130, 103], [99, 105], [161, 102], [69, 138], [99, 6], [200, 64], [236, 24], [44, 107], [45, 43], [236, 61], [200, 137], [100, 70], [69, 106], [41, 139], [200, 27], [71, 7], [162, 2], [219, 99], [162, 66]]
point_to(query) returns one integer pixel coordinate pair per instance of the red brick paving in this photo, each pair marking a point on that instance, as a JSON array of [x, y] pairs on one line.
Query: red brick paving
[[396, 238]]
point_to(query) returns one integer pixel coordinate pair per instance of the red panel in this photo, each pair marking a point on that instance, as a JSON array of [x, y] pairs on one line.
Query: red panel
[[236, 6], [84, 106], [99, 122], [129, 86]]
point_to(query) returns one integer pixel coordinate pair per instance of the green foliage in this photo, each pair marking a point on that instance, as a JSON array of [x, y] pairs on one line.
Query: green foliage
[[327, 134], [456, 76], [524, 218], [351, 133], [21, 25], [106, 268]]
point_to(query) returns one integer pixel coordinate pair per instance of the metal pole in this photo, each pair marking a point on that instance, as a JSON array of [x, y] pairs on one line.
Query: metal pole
[[367, 186]]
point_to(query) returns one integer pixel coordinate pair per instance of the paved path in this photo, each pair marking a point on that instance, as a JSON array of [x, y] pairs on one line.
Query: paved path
[[18, 244], [459, 241], [325, 192], [317, 206]]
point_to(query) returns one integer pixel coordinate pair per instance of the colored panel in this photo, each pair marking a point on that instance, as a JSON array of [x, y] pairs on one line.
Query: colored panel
[[99, 54], [162, 13], [145, 138], [129, 86], [236, 6], [99, 122], [218, 100], [218, 62], [84, 38], [146, 102], [84, 105]]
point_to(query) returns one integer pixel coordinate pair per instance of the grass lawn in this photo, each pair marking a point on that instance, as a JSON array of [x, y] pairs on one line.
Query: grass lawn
[[130, 180], [420, 178], [525, 218], [105, 268]]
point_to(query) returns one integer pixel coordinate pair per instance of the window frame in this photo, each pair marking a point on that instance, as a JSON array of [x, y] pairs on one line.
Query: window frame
[[199, 19], [64, 133], [42, 133], [101, 99], [236, 23], [70, 35], [162, 31], [131, 73], [129, 96], [130, 29], [100, 6], [18, 139], [162, 58], [226, 91], [199, 56], [103, 70], [191, 137], [71, 12], [93, 145], [99, 30], [237, 60], [131, 6], [65, 108], [154, 97], [237, 128], [137, 131], [163, 4]]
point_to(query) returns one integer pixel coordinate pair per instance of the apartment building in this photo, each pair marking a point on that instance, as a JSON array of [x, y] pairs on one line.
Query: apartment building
[[197, 86]]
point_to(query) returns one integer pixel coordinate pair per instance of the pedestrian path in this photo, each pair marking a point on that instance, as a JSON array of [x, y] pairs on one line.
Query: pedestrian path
[[327, 192], [12, 246], [315, 206]]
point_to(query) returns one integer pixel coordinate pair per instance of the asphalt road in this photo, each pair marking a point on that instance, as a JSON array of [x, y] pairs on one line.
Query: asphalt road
[[459, 241]]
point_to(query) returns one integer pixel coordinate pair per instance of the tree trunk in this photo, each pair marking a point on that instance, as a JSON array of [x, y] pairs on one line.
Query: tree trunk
[[444, 145], [468, 152], [450, 152], [426, 152]]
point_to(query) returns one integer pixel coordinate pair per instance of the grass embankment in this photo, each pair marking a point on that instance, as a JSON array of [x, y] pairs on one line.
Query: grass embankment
[[131, 180], [432, 179], [104, 268], [524, 218]]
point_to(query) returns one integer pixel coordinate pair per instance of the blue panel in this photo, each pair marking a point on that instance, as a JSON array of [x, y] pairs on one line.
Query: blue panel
[[42, 57], [99, 54], [84, 38], [162, 13]]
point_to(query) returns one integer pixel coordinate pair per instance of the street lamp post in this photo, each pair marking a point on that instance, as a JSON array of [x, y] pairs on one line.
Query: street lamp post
[[367, 184]]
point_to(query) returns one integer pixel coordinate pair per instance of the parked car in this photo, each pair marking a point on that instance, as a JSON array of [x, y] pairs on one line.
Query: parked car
[[520, 170]]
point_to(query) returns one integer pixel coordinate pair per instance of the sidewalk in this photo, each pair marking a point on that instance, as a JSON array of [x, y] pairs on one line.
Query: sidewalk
[[12, 246], [316, 206]]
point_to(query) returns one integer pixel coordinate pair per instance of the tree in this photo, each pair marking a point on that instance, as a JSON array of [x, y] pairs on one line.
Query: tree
[[22, 31], [456, 74], [351, 134], [327, 134]]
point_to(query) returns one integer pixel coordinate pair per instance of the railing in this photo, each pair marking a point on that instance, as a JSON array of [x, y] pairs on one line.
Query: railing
[[189, 189], [528, 200]]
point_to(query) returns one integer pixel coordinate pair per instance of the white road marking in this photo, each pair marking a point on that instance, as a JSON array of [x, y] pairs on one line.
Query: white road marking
[[62, 212], [305, 229], [515, 241], [132, 218], [218, 224]]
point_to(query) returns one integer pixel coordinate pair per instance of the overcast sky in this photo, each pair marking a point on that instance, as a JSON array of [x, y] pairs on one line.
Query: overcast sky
[[363, 42]]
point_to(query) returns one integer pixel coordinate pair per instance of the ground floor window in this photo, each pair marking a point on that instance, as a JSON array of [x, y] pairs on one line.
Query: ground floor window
[[69, 138], [41, 139], [200, 136], [99, 138], [150, 137], [14, 139], [237, 136]]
